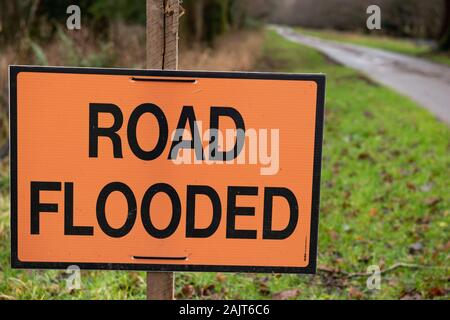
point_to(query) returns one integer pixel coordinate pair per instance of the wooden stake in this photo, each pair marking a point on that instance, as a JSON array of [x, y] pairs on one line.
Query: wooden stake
[[162, 34], [162, 53], [160, 285]]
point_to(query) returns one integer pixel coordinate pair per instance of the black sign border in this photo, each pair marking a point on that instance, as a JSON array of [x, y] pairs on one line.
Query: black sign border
[[309, 269]]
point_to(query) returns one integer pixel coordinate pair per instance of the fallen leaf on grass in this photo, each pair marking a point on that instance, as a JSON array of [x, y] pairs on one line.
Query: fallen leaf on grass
[[381, 263], [393, 282], [410, 295], [221, 277], [347, 194], [395, 153], [426, 187], [264, 289], [411, 186], [365, 156], [208, 290], [368, 114], [423, 220], [333, 235], [327, 269], [285, 295], [432, 201], [54, 289], [364, 259], [387, 178], [436, 292], [447, 246], [188, 290], [415, 248], [355, 293]]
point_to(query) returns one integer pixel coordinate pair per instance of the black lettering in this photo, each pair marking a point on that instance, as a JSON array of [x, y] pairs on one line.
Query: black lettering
[[269, 193], [176, 211], [101, 214], [233, 211], [191, 231], [95, 132], [216, 113], [163, 131], [36, 206], [69, 228]]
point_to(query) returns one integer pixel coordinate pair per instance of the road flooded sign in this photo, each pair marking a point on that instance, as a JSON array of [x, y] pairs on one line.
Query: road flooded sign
[[165, 170]]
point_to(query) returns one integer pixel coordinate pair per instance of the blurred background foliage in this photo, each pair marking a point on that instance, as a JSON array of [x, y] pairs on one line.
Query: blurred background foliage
[[206, 19], [400, 18]]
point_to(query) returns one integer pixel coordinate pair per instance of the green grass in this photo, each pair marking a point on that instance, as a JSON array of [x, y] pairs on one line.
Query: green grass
[[384, 188], [398, 45]]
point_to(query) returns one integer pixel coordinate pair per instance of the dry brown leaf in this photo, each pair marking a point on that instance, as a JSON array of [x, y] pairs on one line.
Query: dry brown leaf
[[432, 201], [264, 289], [286, 294], [188, 290], [411, 186], [221, 277], [355, 293], [411, 295], [208, 290], [436, 292]]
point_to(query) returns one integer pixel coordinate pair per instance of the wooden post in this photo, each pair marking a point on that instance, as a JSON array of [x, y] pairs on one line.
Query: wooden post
[[162, 53], [162, 34]]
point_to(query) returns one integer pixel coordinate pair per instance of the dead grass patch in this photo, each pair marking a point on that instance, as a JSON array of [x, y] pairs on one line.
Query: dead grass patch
[[232, 52]]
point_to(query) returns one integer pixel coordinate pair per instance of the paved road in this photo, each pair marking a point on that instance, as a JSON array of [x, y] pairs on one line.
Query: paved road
[[425, 82]]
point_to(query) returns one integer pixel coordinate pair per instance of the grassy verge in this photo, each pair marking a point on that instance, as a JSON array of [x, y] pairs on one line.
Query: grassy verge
[[404, 46], [384, 200]]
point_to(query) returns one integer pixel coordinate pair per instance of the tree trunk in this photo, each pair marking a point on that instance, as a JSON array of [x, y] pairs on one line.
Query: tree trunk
[[199, 6], [444, 42]]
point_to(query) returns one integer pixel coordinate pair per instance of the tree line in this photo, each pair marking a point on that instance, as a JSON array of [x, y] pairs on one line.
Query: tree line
[[400, 18], [204, 19]]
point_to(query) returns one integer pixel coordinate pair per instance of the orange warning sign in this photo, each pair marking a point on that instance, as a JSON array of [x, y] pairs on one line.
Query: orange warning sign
[[165, 170]]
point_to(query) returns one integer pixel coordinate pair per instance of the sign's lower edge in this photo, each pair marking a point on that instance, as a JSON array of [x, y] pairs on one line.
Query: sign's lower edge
[[17, 264]]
